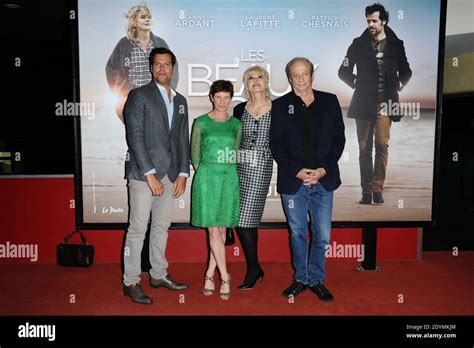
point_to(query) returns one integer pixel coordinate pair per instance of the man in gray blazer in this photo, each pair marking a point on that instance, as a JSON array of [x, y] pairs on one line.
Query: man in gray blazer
[[157, 130]]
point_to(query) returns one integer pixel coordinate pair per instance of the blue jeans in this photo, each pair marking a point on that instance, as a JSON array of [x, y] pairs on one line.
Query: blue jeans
[[318, 202]]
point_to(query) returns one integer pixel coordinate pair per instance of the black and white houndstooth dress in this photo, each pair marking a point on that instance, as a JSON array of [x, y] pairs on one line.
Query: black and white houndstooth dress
[[255, 164]]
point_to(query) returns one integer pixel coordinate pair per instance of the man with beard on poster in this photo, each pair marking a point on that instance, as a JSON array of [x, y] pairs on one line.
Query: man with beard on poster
[[382, 71]]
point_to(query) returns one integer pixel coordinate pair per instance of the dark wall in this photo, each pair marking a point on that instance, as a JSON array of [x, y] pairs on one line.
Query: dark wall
[[39, 34], [456, 194]]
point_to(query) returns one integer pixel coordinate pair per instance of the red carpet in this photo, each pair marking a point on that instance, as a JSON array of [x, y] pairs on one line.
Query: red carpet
[[439, 284]]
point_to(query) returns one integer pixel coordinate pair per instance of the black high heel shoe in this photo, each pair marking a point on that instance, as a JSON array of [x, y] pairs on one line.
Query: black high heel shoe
[[250, 285]]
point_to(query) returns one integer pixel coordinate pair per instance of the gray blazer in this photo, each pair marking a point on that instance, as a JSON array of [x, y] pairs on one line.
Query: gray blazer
[[151, 143]]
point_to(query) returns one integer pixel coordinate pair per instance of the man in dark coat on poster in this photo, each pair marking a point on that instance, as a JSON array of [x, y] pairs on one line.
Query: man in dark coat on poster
[[382, 71]]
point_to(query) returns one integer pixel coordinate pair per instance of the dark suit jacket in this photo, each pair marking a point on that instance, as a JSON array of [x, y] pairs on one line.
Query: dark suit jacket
[[364, 102], [287, 146], [151, 142]]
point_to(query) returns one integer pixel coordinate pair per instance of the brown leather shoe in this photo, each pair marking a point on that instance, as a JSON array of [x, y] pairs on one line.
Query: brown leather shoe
[[136, 293], [366, 198], [167, 282], [378, 198]]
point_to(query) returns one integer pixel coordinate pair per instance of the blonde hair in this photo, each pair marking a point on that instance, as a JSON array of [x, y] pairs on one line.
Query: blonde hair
[[132, 16], [266, 79]]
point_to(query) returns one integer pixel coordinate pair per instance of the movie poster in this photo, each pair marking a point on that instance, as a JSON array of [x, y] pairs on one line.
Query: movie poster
[[219, 40]]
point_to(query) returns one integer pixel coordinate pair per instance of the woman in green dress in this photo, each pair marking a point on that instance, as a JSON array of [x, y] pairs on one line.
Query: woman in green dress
[[215, 140]]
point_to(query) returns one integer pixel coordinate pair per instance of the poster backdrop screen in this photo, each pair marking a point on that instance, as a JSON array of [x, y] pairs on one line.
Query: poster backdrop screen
[[219, 40]]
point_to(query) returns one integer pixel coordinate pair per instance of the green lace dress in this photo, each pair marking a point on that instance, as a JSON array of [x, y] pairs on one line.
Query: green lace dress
[[215, 190]]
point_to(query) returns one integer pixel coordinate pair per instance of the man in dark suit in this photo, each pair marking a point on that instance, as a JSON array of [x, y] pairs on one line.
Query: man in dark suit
[[307, 140], [157, 130], [382, 71]]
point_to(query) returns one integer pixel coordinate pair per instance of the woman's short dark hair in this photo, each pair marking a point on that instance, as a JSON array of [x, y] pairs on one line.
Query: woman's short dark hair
[[161, 50], [383, 14], [221, 86]]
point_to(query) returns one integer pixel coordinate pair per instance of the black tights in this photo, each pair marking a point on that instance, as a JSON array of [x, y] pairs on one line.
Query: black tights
[[249, 240]]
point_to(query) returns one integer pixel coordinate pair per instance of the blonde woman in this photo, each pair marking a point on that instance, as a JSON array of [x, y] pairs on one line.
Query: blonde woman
[[254, 167], [128, 66]]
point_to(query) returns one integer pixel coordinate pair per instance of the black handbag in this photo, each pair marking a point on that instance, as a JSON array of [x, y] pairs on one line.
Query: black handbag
[[75, 255], [229, 236]]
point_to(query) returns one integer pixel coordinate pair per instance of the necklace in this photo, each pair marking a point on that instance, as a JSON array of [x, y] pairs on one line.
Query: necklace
[[258, 110]]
